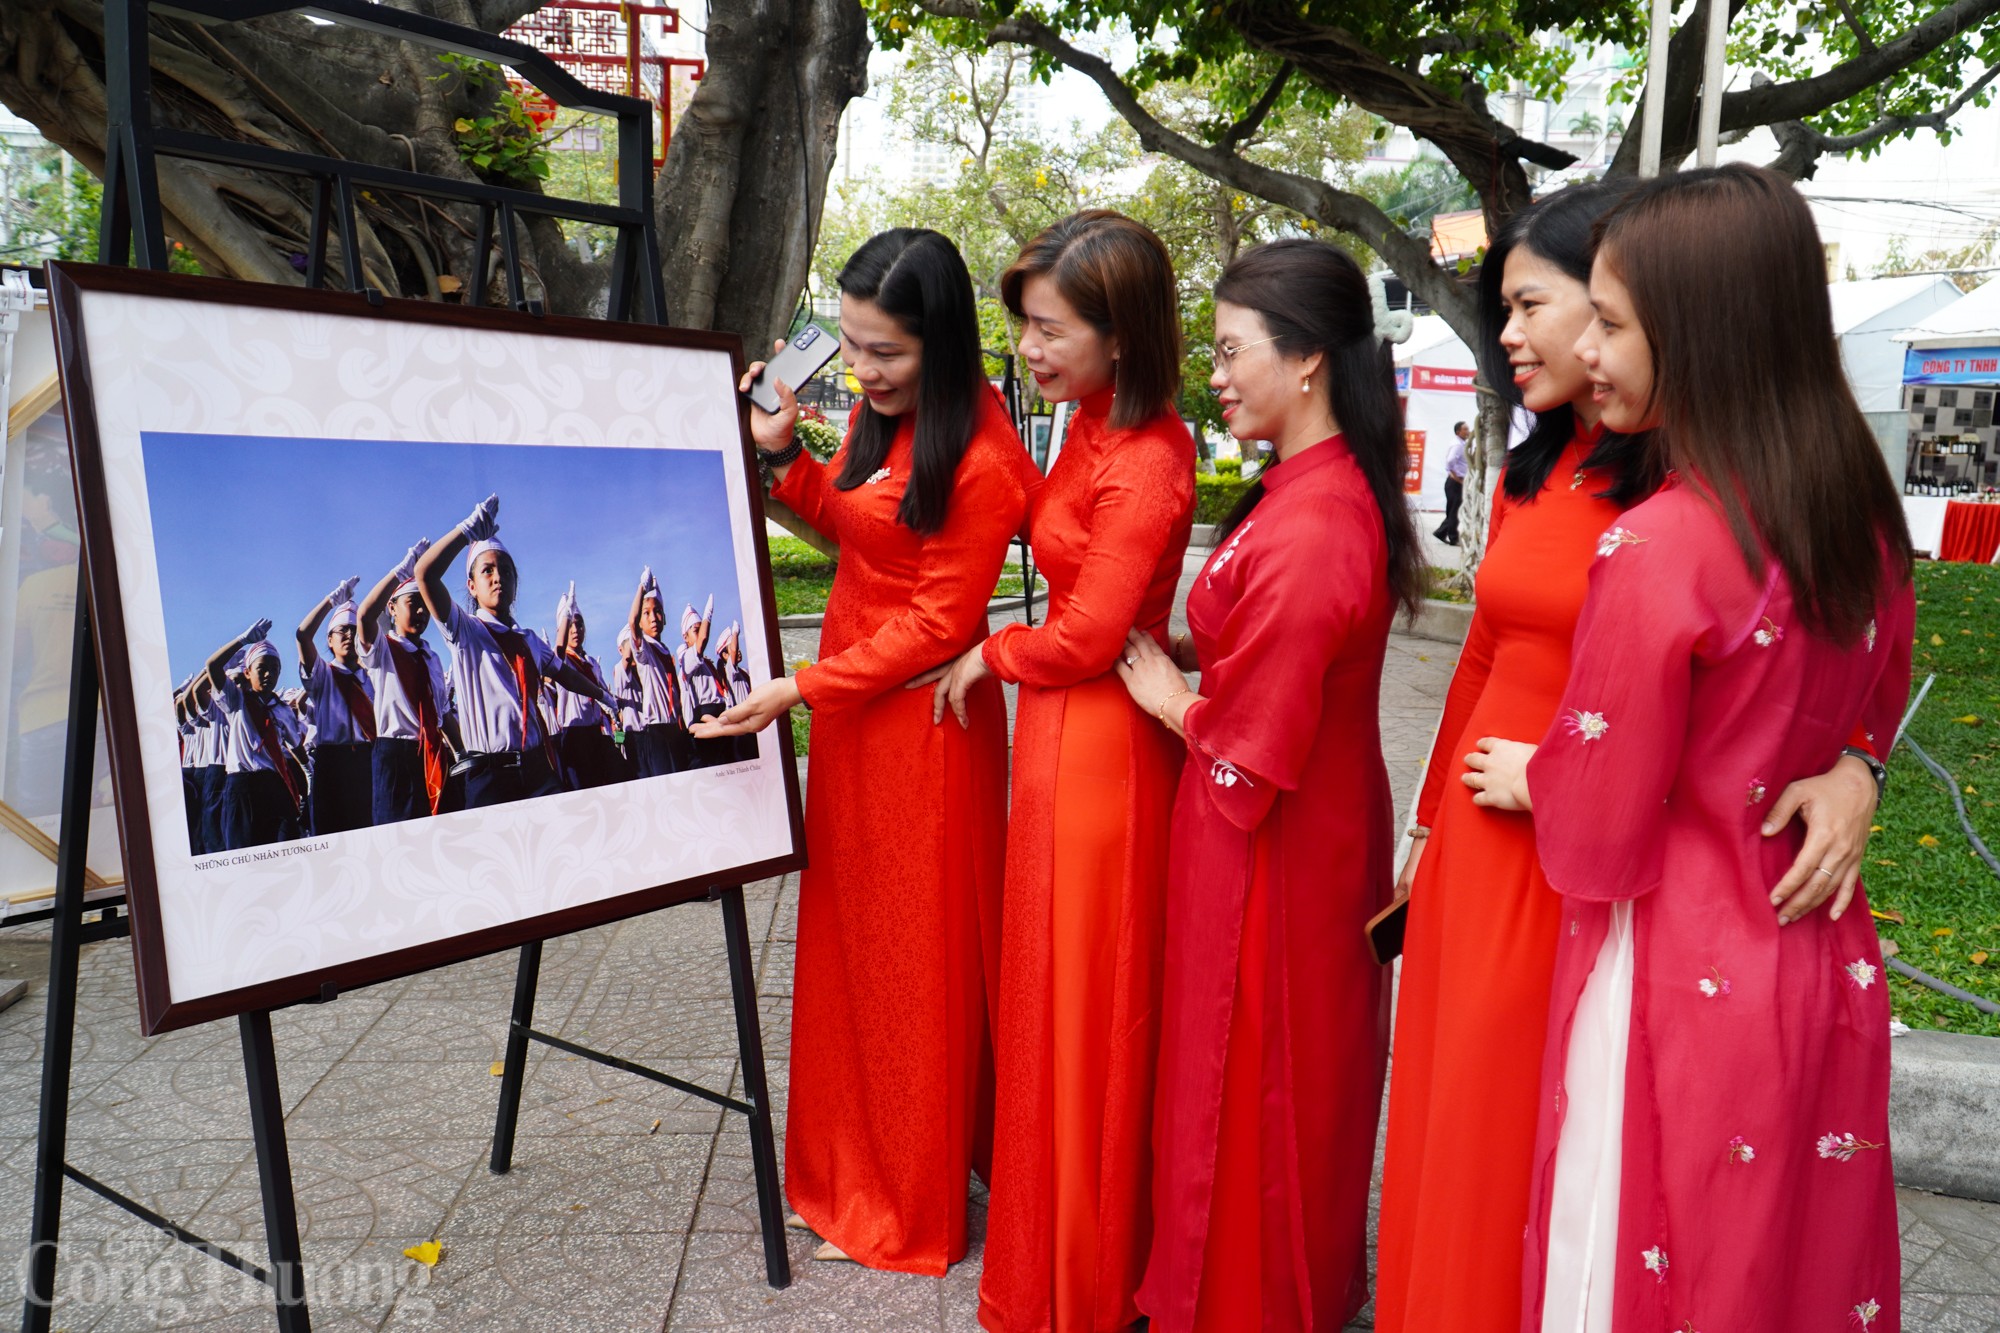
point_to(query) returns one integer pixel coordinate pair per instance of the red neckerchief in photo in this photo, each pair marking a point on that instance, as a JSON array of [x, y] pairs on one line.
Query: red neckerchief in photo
[[582, 663], [413, 673], [259, 710], [513, 645], [673, 675], [359, 706]]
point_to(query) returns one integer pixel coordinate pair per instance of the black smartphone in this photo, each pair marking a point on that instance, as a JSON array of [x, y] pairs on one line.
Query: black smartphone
[[1385, 931], [804, 357]]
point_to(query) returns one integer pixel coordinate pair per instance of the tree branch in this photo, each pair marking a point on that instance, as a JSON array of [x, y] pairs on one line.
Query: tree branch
[[497, 15], [1800, 146], [1772, 103], [1407, 255], [1861, 37], [1236, 134]]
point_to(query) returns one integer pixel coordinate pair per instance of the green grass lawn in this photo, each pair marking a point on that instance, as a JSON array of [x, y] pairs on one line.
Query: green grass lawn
[[1919, 865], [802, 577]]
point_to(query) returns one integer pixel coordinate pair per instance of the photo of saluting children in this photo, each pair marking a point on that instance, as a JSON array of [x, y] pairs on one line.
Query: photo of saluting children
[[374, 719]]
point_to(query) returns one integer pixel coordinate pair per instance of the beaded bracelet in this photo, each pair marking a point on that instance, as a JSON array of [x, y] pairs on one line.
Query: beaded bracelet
[[784, 456]]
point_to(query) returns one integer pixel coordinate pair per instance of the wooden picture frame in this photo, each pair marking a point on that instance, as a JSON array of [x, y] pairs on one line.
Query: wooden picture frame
[[154, 363]]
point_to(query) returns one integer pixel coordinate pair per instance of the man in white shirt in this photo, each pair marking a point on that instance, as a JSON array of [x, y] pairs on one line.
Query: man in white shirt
[[263, 790], [497, 666], [663, 745], [340, 699], [412, 697], [1454, 484]]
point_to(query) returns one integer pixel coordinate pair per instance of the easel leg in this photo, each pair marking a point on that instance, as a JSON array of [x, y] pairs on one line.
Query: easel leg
[[274, 1172], [750, 1050], [515, 1067], [59, 1028]]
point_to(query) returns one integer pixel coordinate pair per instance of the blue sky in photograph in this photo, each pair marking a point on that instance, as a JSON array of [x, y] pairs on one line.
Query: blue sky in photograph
[[249, 526]]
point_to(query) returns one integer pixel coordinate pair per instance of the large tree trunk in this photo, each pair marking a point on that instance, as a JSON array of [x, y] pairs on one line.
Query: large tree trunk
[[337, 91], [740, 198]]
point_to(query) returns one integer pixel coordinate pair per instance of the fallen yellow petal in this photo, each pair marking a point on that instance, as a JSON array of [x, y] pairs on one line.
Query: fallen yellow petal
[[426, 1254], [1942, 932], [1874, 828], [1937, 640], [1970, 719], [499, 1067], [1927, 841], [1979, 956]]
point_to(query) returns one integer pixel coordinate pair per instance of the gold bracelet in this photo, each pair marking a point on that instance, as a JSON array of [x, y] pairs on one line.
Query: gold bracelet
[[1160, 714]]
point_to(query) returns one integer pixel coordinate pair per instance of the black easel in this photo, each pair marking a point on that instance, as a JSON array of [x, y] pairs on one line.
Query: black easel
[[133, 233]]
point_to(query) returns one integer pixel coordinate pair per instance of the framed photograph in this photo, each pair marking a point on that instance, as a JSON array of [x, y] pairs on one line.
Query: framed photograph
[[403, 612]]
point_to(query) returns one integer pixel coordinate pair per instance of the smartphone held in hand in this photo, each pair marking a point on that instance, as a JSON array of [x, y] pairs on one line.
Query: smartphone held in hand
[[804, 356]]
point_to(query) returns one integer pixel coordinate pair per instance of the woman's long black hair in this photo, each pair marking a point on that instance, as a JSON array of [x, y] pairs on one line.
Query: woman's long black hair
[[918, 279], [1557, 230], [1313, 297]]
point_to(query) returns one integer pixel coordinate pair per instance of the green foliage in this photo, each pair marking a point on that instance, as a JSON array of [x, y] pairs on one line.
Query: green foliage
[[1422, 189], [1789, 41], [1006, 186], [1919, 865], [1229, 467], [1216, 494], [54, 218], [500, 141]]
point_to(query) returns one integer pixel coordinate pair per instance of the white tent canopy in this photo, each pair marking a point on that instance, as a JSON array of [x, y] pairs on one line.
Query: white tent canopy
[[1971, 321], [1871, 318]]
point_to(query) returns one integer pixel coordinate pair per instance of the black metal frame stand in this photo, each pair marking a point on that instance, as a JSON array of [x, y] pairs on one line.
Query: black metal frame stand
[[756, 1104], [133, 232], [70, 932]]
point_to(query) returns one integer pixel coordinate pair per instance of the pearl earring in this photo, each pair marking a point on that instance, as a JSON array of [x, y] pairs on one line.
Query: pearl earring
[[1306, 385]]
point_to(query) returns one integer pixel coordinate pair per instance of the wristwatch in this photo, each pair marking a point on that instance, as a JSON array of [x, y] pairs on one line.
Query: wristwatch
[[1876, 769]]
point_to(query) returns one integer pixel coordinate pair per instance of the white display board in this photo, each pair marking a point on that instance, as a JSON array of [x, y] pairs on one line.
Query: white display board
[[242, 449]]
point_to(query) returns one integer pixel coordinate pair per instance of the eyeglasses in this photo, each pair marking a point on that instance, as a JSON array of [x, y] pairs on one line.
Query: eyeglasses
[[1225, 355]]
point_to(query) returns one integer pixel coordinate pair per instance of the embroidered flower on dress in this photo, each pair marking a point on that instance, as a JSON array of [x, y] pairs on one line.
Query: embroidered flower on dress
[[1656, 1262], [879, 474], [1227, 774], [1616, 538], [1871, 636], [1862, 973], [1228, 552], [1768, 633], [1741, 1151], [1864, 1314], [1590, 726], [1714, 984], [1842, 1147], [1756, 791]]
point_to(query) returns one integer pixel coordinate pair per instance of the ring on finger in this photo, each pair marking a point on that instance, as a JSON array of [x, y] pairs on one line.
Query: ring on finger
[[1824, 871]]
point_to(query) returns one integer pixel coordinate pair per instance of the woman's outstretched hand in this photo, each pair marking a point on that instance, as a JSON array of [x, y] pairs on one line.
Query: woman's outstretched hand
[[766, 704]]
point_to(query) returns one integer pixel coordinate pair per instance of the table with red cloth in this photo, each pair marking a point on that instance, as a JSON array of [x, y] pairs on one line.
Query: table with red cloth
[[1971, 533]]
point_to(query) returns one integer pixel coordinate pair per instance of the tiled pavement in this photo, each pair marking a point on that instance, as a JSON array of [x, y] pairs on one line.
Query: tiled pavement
[[629, 1206]]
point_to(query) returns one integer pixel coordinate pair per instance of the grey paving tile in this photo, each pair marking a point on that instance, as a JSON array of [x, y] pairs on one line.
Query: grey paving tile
[[349, 1189], [605, 1283], [601, 1185], [722, 1287]]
